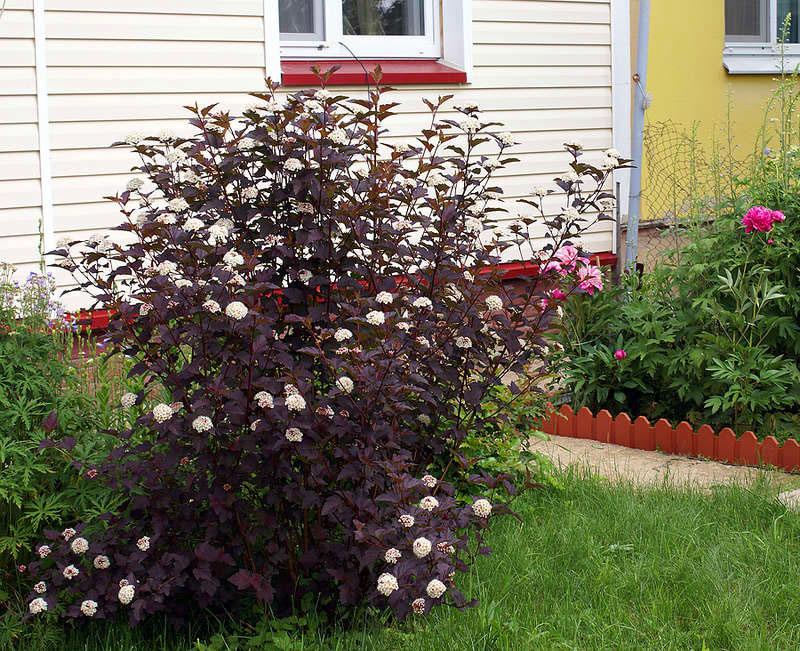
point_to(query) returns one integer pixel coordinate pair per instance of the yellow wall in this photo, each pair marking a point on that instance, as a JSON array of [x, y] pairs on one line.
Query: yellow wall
[[686, 78]]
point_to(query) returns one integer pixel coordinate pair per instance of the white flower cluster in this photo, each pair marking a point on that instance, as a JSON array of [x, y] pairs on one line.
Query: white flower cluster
[[294, 401], [162, 413], [250, 192], [435, 589], [126, 594], [429, 481], [387, 584], [384, 298], [494, 303], [345, 384], [338, 136], [264, 400], [418, 606], [44, 551], [482, 508], [37, 606], [128, 400], [422, 547], [233, 259], [463, 342], [40, 588], [294, 435], [193, 224], [342, 334], [246, 144], [376, 317], [236, 310], [178, 204], [134, 184], [143, 543], [102, 562], [392, 555], [292, 165], [88, 608], [202, 424], [211, 306], [428, 503], [423, 302], [470, 125], [68, 533], [79, 546], [70, 572], [406, 520], [473, 225], [506, 139]]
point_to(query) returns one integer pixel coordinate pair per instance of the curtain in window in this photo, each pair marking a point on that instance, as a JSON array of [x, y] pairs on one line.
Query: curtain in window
[[743, 18], [383, 17]]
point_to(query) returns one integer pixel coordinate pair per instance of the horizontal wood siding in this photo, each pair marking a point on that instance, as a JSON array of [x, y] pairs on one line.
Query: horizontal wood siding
[[541, 67]]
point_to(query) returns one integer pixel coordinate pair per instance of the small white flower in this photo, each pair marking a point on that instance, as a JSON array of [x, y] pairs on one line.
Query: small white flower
[[202, 424], [463, 342], [218, 234], [470, 125], [37, 606], [423, 341], [40, 588], [178, 204], [193, 224], [429, 481], [134, 138], [422, 547], [424, 419], [482, 508], [322, 94], [233, 259], [345, 384], [167, 218], [89, 607], [304, 275], [167, 267], [68, 533], [384, 298], [435, 589], [473, 225], [128, 400], [295, 402], [125, 594], [165, 135], [44, 551], [264, 400], [376, 317], [175, 156], [404, 326], [505, 138], [79, 546], [468, 276], [236, 310], [418, 606], [183, 282], [246, 144], [392, 555], [571, 176], [422, 303], [437, 180], [387, 584], [211, 306], [294, 435], [612, 153], [540, 191], [143, 543], [338, 136], [342, 334], [291, 390], [162, 413], [134, 184], [608, 163], [305, 207], [292, 165], [101, 562], [70, 572], [250, 192], [428, 503], [571, 213], [494, 303], [406, 520]]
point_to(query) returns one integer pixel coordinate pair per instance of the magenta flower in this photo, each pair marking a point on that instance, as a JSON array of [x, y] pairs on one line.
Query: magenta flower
[[761, 219], [591, 279], [557, 295], [620, 354]]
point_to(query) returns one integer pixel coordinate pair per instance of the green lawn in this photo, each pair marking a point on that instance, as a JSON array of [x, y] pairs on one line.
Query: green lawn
[[598, 567]]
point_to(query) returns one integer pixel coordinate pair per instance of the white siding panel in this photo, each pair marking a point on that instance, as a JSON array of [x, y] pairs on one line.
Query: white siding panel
[[16, 24], [110, 53], [545, 33], [19, 221], [539, 11], [182, 7], [18, 137]]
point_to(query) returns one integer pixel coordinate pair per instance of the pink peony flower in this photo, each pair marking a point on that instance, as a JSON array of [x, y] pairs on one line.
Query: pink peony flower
[[761, 219], [591, 280], [620, 354], [557, 295], [568, 257]]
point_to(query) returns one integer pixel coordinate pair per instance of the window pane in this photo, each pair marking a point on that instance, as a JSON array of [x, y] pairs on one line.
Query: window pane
[[786, 7], [384, 17], [745, 19], [300, 17]]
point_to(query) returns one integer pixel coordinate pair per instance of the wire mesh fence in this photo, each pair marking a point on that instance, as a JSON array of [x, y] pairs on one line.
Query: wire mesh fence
[[684, 181]]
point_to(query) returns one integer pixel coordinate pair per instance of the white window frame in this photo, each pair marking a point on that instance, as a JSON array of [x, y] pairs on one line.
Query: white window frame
[[337, 45], [767, 57]]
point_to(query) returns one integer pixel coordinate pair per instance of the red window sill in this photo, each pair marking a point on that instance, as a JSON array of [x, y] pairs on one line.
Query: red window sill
[[351, 73]]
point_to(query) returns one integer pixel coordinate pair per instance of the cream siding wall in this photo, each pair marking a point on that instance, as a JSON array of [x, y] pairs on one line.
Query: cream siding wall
[[541, 67]]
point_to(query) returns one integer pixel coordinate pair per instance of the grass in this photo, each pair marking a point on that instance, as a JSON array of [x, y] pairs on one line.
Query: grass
[[593, 567]]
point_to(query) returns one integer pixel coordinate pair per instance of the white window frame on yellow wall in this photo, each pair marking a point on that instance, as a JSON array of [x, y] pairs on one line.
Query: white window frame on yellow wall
[[747, 56]]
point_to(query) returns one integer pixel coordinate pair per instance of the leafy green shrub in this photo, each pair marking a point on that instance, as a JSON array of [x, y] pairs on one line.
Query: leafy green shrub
[[42, 394]]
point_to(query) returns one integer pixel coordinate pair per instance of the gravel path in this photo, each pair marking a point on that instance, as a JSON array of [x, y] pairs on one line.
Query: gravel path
[[648, 468]]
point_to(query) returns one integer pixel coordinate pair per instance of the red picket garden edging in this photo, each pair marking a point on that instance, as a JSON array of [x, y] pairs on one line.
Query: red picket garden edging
[[639, 434]]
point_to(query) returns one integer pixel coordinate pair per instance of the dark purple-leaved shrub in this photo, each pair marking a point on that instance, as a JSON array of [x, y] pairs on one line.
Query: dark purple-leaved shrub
[[324, 310]]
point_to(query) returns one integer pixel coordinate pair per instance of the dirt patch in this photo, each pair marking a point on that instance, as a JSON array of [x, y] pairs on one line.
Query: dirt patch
[[647, 468]]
